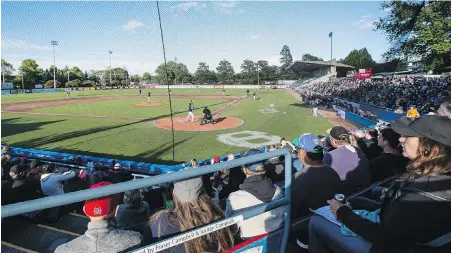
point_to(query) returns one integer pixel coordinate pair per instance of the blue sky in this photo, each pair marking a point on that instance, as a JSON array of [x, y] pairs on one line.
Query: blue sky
[[193, 31]]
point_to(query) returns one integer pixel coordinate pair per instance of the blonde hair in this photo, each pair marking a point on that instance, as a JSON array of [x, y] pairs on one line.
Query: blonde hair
[[345, 139], [231, 157], [197, 213]]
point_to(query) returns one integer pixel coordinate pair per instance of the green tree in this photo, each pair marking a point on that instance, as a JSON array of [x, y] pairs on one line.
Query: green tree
[[147, 78], [88, 83], [7, 69], [359, 59], [49, 84], [225, 71], [204, 74], [32, 74], [418, 30], [76, 73], [248, 72], [310, 57], [286, 60], [177, 72], [74, 83], [285, 57]]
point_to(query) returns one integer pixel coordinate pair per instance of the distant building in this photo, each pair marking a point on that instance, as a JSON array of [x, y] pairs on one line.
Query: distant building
[[321, 68]]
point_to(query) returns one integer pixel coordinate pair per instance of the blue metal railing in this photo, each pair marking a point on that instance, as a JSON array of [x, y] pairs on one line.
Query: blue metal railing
[[73, 197]]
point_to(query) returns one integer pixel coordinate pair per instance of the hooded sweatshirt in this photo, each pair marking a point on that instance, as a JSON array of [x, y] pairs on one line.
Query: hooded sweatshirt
[[52, 184], [102, 237], [254, 191]]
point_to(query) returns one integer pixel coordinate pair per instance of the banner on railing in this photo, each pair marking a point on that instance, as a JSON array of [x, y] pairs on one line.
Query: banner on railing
[[171, 242]]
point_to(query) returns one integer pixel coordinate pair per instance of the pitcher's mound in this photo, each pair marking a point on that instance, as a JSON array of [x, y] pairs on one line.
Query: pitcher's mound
[[149, 104], [222, 122]]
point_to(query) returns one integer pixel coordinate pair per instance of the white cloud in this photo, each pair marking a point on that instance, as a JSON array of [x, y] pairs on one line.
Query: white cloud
[[367, 25], [186, 6], [12, 45], [255, 36], [273, 60], [227, 4], [132, 25], [364, 22]]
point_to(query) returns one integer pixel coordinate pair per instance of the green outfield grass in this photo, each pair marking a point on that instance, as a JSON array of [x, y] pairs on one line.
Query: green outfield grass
[[139, 139]]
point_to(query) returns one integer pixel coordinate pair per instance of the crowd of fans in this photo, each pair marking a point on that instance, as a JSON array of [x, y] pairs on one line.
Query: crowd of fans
[[415, 150], [396, 93]]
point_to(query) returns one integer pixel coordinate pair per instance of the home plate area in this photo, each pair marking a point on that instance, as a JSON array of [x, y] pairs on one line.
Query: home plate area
[[181, 124]]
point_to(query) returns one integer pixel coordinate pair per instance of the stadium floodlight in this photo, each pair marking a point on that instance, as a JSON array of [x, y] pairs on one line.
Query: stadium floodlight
[[54, 43], [110, 52]]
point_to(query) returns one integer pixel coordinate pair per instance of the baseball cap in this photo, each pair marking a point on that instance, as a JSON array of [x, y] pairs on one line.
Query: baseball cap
[[337, 132], [188, 190], [309, 143], [216, 159], [101, 206], [253, 166], [117, 166], [434, 127]]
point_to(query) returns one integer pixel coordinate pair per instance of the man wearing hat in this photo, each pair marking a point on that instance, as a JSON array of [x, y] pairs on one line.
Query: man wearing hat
[[101, 235], [256, 189], [313, 185], [317, 182]]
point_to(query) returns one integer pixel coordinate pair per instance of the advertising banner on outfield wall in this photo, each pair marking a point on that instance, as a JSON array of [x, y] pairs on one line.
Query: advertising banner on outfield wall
[[6, 92], [44, 90]]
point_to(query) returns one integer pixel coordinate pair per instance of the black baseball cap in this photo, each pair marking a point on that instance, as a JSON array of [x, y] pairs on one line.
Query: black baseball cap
[[434, 127], [337, 132]]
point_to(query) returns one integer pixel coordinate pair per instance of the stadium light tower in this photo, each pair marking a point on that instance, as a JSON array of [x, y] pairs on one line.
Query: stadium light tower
[[330, 36], [110, 52], [54, 43]]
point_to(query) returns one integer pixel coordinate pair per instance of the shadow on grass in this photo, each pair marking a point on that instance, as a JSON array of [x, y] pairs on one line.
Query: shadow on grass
[[10, 127], [151, 155], [302, 105]]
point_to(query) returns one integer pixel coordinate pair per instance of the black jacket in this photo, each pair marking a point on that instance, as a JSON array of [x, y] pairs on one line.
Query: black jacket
[[414, 213]]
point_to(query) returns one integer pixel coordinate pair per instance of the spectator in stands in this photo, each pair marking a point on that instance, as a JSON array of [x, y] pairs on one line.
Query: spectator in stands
[[424, 191], [312, 186], [445, 108], [347, 160], [101, 235], [317, 182], [287, 145], [367, 141], [325, 140], [133, 213], [413, 112], [53, 183], [256, 189], [192, 208], [21, 189], [6, 150], [391, 161]]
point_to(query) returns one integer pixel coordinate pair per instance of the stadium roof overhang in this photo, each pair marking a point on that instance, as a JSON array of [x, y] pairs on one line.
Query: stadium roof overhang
[[313, 65]]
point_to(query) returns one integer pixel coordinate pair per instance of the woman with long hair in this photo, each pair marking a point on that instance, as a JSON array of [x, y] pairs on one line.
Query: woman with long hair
[[415, 211], [192, 208]]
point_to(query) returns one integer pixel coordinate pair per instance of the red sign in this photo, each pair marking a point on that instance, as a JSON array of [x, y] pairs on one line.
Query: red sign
[[365, 73]]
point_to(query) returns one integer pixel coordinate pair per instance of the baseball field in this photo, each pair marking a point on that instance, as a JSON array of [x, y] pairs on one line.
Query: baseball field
[[121, 124]]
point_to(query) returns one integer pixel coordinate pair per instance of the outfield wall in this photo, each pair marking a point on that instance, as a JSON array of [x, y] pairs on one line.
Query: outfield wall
[[153, 86]]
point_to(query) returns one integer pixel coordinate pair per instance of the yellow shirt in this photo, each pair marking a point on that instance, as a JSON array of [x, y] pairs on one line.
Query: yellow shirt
[[413, 113]]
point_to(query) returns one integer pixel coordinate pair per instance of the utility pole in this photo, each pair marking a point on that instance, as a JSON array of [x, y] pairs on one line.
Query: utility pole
[[68, 71], [258, 76], [110, 52], [54, 43], [22, 81]]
